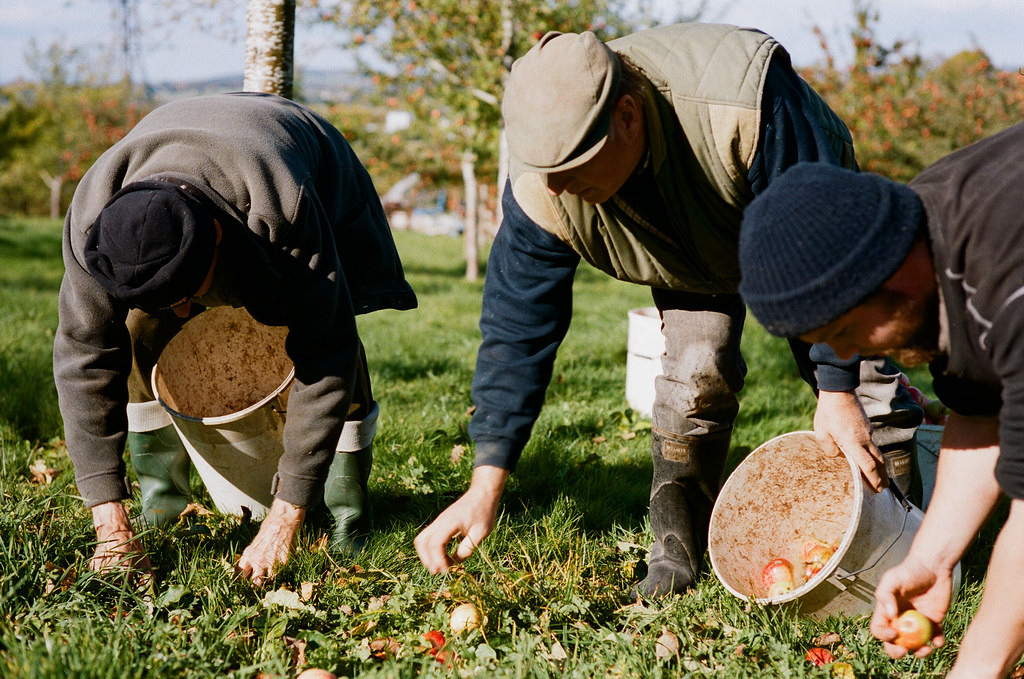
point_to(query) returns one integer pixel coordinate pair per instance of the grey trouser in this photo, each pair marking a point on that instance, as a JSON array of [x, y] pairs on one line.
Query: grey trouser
[[703, 370], [150, 334]]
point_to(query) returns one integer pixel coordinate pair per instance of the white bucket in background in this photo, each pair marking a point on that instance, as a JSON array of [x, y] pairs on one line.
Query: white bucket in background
[[224, 379], [644, 346], [928, 441], [787, 491]]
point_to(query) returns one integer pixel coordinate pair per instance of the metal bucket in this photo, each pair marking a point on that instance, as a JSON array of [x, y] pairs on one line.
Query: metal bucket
[[644, 347], [224, 379], [788, 491], [926, 458]]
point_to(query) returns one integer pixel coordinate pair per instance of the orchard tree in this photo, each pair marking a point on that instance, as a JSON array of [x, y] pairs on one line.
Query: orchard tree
[[445, 62], [905, 113]]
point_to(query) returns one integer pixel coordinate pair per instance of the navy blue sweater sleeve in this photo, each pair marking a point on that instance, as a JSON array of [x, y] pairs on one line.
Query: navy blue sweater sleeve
[[790, 133], [527, 305]]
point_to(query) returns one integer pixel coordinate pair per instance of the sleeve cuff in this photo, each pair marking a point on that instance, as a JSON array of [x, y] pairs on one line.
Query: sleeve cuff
[[497, 453], [98, 490], [838, 378], [297, 490]]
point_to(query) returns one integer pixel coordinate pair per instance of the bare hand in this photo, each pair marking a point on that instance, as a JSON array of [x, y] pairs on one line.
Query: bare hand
[[272, 545], [117, 548], [840, 425], [911, 585], [471, 517]]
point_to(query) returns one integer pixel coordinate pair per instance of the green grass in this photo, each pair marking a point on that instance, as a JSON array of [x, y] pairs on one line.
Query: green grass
[[551, 579]]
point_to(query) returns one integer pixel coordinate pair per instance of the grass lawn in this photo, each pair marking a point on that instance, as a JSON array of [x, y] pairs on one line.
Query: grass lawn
[[551, 580]]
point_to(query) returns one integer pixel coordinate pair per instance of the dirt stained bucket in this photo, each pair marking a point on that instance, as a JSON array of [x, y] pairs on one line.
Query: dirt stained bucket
[[788, 491], [645, 345], [224, 379]]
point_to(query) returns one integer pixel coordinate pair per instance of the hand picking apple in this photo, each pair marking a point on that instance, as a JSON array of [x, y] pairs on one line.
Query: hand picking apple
[[914, 630]]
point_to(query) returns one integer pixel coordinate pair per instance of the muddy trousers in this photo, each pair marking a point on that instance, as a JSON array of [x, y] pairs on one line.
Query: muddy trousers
[[161, 461], [695, 406]]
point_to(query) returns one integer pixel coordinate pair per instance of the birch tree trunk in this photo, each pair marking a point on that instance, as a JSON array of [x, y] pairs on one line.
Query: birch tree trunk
[[470, 234], [508, 28], [270, 46]]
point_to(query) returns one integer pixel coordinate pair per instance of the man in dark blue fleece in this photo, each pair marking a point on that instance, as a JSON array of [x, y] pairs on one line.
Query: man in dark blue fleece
[[639, 157]]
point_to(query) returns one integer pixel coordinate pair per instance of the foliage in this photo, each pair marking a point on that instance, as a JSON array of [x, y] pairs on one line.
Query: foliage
[[445, 61], [62, 124], [551, 580], [904, 113]]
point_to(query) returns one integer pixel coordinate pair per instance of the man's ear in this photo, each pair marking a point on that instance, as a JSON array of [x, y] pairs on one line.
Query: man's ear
[[629, 116]]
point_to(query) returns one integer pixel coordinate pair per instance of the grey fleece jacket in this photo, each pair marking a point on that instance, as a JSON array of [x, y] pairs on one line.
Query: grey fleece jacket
[[306, 245]]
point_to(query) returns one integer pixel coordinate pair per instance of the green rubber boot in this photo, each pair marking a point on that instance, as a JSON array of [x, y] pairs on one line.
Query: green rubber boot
[[347, 499], [162, 466]]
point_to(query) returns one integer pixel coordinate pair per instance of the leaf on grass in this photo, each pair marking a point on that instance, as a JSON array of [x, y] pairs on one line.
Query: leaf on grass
[[286, 599], [298, 649], [827, 639], [627, 546], [41, 473], [171, 596], [194, 509], [306, 591], [67, 578], [627, 435], [667, 645], [383, 648], [470, 410], [598, 439], [457, 452], [321, 543], [362, 628]]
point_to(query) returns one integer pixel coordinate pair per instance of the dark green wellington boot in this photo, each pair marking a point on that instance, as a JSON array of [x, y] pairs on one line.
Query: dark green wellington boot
[[162, 465], [347, 499], [687, 477]]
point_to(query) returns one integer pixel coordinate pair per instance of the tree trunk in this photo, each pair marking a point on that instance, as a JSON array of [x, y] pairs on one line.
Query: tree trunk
[[270, 46], [470, 234], [55, 184], [508, 31]]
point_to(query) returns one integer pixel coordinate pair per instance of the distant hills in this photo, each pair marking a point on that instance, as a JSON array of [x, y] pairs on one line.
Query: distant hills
[[311, 85]]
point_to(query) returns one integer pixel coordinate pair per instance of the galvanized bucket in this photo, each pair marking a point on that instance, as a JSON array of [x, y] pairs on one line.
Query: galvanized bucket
[[788, 491], [224, 379]]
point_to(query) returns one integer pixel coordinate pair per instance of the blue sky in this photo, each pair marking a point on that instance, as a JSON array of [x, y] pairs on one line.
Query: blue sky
[[184, 52]]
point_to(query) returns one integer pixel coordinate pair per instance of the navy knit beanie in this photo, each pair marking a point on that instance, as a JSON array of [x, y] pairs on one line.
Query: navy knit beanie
[[819, 241], [152, 244]]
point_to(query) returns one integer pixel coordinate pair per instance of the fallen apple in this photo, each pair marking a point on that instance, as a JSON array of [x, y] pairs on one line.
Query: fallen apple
[[819, 656], [465, 617], [914, 630], [842, 670], [777, 577], [315, 673]]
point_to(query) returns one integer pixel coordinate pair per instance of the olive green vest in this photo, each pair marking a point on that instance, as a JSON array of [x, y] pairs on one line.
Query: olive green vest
[[703, 117]]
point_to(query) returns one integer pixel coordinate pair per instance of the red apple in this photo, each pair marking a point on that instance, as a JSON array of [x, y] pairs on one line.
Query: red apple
[[817, 551], [916, 394], [819, 656], [914, 630], [777, 577]]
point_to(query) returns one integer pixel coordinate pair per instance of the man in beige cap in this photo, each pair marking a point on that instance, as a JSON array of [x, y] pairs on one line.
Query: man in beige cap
[[639, 156]]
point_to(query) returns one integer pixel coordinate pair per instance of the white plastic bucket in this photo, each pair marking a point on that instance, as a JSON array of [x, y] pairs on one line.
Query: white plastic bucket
[[224, 379], [787, 491], [928, 441], [644, 346]]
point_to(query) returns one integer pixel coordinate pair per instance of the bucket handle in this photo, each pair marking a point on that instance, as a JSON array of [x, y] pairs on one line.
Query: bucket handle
[[898, 494]]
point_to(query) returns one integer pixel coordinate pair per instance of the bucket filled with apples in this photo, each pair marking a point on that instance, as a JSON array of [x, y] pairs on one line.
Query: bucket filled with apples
[[794, 525]]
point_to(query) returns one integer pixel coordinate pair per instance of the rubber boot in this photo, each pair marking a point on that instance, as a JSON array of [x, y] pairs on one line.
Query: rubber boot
[[347, 500], [687, 477], [162, 466]]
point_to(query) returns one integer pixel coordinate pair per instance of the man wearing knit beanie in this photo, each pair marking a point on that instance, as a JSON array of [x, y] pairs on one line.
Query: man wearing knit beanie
[[931, 271], [244, 200], [639, 156]]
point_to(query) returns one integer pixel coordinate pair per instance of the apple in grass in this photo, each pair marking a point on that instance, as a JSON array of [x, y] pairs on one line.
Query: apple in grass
[[913, 630], [777, 577]]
